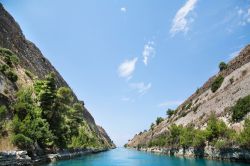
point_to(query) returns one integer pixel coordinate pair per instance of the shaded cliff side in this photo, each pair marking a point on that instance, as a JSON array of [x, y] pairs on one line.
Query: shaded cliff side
[[32, 66]]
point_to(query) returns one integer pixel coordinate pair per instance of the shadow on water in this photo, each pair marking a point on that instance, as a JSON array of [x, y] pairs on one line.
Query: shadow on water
[[127, 157]]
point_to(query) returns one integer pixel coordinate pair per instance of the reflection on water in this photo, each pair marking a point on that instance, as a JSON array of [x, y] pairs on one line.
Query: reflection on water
[[126, 157]]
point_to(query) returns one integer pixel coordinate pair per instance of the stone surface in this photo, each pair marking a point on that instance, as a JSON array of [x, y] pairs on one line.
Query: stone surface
[[31, 59], [205, 102]]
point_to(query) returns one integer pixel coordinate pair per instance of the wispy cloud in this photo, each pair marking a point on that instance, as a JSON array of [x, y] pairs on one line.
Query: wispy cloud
[[141, 87], [181, 20], [172, 103], [234, 54], [127, 99], [244, 15], [148, 51], [127, 68], [123, 9]]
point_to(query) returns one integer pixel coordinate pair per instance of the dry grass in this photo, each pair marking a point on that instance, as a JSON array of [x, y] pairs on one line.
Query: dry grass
[[6, 145]]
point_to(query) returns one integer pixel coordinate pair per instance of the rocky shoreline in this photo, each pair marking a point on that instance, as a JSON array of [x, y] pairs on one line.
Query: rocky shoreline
[[14, 158], [209, 152]]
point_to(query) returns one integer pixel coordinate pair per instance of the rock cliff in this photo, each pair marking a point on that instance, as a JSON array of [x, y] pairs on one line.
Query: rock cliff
[[31, 62], [197, 109]]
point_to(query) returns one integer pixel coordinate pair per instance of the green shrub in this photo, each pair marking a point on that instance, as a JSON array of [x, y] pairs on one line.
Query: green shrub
[[9, 57], [159, 120], [188, 106], [64, 94], [27, 121], [222, 66], [3, 68], [8, 72], [217, 83], [174, 135], [22, 141], [170, 112], [244, 137], [196, 107], [48, 116], [159, 141], [186, 136], [152, 126], [199, 139], [11, 75], [216, 129], [221, 144], [3, 112], [197, 91], [29, 74], [5, 51], [183, 113], [241, 108]]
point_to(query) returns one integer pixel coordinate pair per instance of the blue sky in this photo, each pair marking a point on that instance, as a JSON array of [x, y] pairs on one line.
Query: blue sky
[[131, 60]]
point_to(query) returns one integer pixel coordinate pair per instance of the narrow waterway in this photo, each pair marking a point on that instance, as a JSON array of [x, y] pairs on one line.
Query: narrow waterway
[[127, 157]]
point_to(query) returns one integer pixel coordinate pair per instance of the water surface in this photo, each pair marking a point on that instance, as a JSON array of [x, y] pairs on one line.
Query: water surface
[[127, 157]]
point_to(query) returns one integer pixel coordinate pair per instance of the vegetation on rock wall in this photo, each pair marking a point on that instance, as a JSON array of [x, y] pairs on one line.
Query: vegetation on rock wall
[[222, 66], [241, 108], [159, 120], [217, 134], [8, 62], [217, 83], [48, 116], [170, 112], [3, 114]]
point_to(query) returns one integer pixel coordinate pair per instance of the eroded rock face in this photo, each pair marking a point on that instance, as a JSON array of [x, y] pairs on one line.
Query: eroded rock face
[[31, 59], [230, 154], [236, 85]]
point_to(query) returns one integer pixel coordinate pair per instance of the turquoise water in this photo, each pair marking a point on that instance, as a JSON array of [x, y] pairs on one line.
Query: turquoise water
[[126, 157]]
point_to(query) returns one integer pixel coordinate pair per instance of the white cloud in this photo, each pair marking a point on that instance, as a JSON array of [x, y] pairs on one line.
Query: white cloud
[[141, 87], [127, 99], [148, 51], [173, 103], [234, 54], [181, 21], [240, 12], [127, 68], [244, 16], [123, 9]]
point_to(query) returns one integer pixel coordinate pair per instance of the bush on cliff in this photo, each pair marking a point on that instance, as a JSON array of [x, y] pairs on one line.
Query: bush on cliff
[[48, 115], [3, 114], [170, 112], [9, 57], [159, 141], [216, 133], [8, 72], [159, 120], [27, 123], [22, 141], [215, 128], [217, 83], [241, 108], [199, 139], [244, 137], [222, 66], [186, 136]]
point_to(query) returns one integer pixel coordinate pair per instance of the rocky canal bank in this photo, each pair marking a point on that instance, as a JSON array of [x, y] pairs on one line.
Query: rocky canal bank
[[209, 152], [13, 158]]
